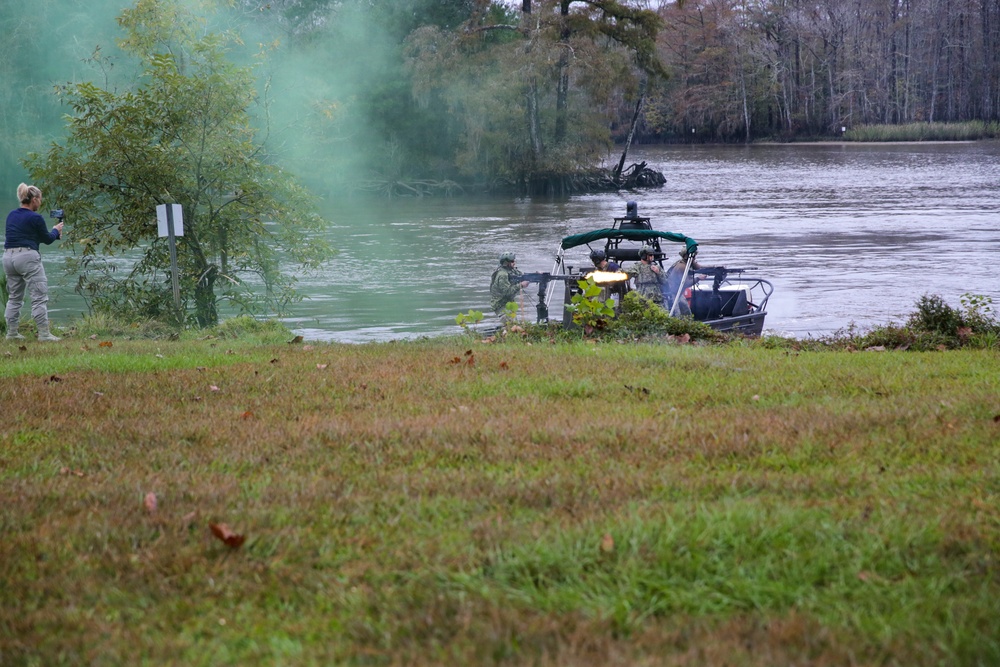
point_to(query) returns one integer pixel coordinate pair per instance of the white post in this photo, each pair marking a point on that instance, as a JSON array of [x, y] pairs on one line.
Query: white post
[[170, 222]]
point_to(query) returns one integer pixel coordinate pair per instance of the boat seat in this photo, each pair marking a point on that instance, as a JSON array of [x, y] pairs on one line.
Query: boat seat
[[623, 254], [633, 223]]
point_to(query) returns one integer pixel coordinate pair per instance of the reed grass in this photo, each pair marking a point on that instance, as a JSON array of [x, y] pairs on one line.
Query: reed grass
[[965, 131], [453, 502]]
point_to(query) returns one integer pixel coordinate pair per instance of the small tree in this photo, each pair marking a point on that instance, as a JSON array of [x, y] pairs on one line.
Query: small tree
[[182, 133]]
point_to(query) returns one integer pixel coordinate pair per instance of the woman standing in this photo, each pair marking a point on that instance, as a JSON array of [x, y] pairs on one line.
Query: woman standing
[[22, 262]]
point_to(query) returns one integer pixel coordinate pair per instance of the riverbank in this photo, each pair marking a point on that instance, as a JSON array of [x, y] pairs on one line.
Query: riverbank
[[454, 502]]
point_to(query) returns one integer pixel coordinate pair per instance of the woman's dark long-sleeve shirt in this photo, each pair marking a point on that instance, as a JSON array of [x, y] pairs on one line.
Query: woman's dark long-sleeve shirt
[[26, 229]]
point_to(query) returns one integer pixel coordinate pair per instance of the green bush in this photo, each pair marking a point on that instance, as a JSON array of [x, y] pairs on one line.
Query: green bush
[[639, 316], [935, 316], [589, 309], [933, 326], [129, 301]]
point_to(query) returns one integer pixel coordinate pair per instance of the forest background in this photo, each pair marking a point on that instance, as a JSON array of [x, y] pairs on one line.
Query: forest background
[[426, 94]]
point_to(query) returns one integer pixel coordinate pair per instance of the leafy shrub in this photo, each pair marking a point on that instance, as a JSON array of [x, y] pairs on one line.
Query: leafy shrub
[[589, 310], [468, 321], [977, 314], [639, 316], [934, 315], [933, 326], [127, 300], [972, 325]]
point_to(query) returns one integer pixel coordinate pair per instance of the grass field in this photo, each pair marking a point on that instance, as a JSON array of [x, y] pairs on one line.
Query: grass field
[[451, 502]]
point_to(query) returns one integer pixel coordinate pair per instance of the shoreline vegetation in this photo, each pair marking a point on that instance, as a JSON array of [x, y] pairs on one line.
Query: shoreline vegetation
[[240, 496], [974, 130], [641, 176]]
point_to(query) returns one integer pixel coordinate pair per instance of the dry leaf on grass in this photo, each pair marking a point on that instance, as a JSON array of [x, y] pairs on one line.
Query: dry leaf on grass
[[321, 366], [150, 503], [607, 543], [213, 387], [54, 378], [247, 415], [226, 534], [106, 343]]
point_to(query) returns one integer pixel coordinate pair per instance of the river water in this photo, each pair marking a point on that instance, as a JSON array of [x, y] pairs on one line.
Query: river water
[[847, 233]]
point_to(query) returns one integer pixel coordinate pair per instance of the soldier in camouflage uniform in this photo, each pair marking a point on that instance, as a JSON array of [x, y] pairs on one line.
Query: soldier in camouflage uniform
[[673, 283], [504, 285], [648, 277]]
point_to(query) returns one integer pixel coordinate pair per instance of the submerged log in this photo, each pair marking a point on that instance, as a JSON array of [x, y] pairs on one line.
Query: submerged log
[[637, 176]]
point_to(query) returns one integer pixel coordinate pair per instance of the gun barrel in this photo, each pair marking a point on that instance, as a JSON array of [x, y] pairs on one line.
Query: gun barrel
[[540, 277], [714, 270]]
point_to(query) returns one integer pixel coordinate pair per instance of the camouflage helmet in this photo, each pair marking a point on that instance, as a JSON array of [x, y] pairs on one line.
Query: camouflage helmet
[[507, 257], [598, 256], [645, 250]]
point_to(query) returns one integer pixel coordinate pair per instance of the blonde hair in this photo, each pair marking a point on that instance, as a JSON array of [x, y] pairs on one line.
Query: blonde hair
[[25, 193]]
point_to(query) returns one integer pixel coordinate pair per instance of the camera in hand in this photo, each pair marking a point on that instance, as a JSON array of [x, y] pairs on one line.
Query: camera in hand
[[57, 213]]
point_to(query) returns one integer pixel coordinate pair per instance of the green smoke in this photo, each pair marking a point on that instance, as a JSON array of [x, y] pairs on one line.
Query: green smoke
[[47, 42], [335, 99]]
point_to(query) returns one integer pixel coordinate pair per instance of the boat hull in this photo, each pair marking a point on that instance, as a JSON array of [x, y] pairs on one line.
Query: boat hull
[[745, 325]]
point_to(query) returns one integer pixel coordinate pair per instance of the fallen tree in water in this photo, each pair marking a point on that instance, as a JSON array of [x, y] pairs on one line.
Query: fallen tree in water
[[637, 176]]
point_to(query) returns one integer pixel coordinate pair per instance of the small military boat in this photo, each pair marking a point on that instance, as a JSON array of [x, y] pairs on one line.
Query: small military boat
[[726, 299]]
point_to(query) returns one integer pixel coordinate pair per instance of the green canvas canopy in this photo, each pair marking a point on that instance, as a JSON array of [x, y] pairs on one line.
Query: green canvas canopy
[[629, 235]]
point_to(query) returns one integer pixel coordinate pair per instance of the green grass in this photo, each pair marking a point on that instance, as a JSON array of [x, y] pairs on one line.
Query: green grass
[[551, 504], [967, 131]]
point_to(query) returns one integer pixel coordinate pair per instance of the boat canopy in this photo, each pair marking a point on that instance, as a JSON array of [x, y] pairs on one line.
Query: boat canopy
[[628, 235]]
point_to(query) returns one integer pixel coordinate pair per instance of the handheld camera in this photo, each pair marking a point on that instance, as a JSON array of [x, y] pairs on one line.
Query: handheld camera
[[57, 213]]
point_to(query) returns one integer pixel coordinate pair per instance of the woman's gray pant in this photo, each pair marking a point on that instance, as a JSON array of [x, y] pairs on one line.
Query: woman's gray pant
[[23, 267]]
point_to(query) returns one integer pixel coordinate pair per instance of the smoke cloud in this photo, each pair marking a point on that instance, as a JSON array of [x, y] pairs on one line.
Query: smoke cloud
[[321, 75]]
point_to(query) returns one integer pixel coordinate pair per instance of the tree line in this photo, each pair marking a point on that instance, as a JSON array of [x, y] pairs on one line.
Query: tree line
[[789, 68]]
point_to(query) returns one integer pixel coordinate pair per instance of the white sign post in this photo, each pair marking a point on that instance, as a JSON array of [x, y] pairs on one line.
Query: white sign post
[[170, 223]]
